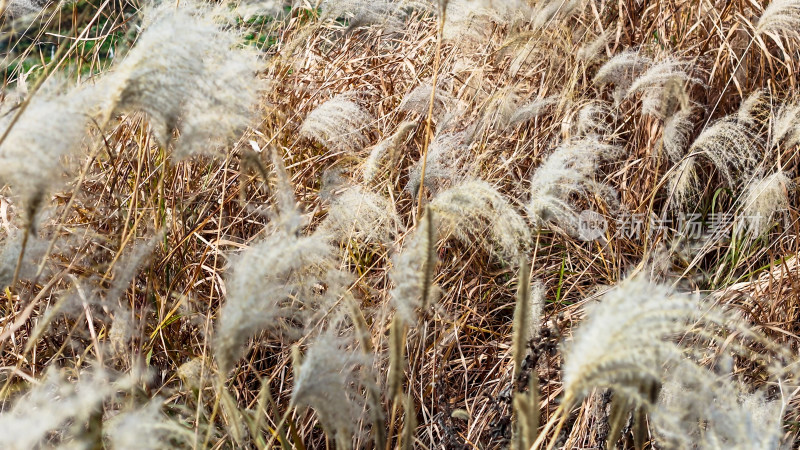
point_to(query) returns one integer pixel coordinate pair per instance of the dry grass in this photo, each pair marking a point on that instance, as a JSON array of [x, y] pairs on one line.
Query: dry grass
[[137, 262]]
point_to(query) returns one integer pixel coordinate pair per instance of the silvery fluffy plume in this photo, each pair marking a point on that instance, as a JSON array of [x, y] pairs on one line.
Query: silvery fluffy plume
[[624, 341], [683, 181], [639, 335], [553, 12], [32, 155], [621, 71], [468, 22], [272, 286], [359, 214], [412, 272], [54, 411], [660, 83], [445, 163], [678, 128], [475, 213], [418, 101], [146, 428], [9, 255], [388, 14], [259, 8], [497, 112], [765, 198], [387, 148], [22, 8], [785, 128], [753, 110], [730, 144], [569, 170], [780, 17], [731, 418], [187, 74], [338, 124], [593, 121], [329, 381], [593, 50], [531, 110], [731, 147]]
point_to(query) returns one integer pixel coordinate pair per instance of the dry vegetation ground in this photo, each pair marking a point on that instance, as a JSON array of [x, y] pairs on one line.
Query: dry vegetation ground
[[163, 232]]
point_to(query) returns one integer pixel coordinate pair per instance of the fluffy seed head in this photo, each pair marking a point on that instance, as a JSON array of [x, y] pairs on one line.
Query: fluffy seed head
[[418, 101], [591, 51], [328, 381], [209, 91], [765, 198], [531, 110], [621, 70], [32, 155], [444, 165], [338, 124], [146, 428], [22, 8], [785, 128], [386, 14], [52, 406], [592, 121], [387, 147], [623, 341], [270, 285], [731, 148], [569, 170], [554, 11], [361, 215], [683, 181], [474, 212], [468, 22], [781, 17], [678, 128], [661, 84]]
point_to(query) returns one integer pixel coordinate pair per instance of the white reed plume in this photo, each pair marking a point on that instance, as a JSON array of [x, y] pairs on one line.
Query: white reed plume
[[210, 91], [785, 128], [445, 163], [569, 170], [678, 128], [338, 124], [621, 71], [32, 156], [765, 197], [780, 17], [731, 147], [329, 381], [418, 101], [146, 428], [360, 215], [531, 110], [475, 213], [56, 408], [661, 83], [386, 148]]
